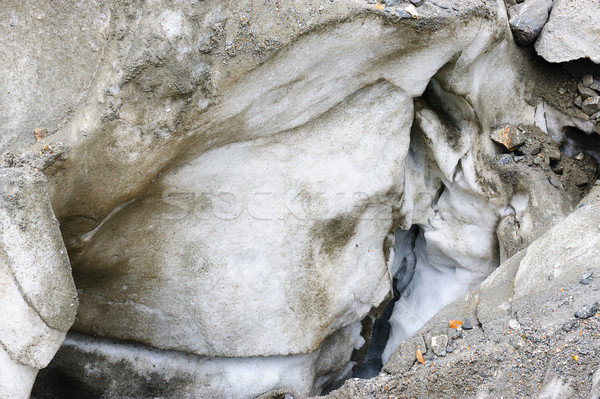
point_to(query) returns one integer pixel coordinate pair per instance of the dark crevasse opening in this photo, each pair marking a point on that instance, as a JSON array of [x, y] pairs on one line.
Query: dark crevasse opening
[[404, 263], [578, 142]]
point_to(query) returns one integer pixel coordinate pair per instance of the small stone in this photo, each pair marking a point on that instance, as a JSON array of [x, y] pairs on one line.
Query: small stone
[[569, 325], [417, 3], [554, 182], [449, 349], [514, 325], [586, 278], [453, 333], [595, 85], [439, 344], [578, 101], [580, 156], [412, 11], [518, 158], [553, 153], [504, 159], [587, 80], [509, 136], [591, 105], [595, 117], [562, 90], [586, 91], [587, 311], [402, 14], [467, 325]]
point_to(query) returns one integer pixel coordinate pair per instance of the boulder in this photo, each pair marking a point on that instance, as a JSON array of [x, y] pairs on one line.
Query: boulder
[[571, 32], [527, 20]]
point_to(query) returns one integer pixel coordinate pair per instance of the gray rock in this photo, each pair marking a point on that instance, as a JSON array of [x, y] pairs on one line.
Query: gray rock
[[528, 19], [595, 117], [571, 32], [438, 344], [586, 91], [417, 3], [586, 278], [467, 325], [587, 311], [504, 159], [514, 325], [587, 80], [595, 85], [402, 14], [578, 101], [591, 105]]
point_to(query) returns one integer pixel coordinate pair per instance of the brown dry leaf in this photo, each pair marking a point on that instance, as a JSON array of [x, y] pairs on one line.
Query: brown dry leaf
[[455, 323], [419, 356]]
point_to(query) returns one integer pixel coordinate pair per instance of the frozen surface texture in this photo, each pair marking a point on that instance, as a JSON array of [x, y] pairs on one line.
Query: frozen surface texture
[[528, 319], [242, 186]]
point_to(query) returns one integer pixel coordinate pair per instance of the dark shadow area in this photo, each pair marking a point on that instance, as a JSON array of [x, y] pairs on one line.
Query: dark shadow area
[[404, 263], [578, 142]]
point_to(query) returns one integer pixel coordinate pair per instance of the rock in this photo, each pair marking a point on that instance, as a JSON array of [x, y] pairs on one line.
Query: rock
[[412, 11], [402, 14], [417, 3], [587, 311], [555, 182], [36, 287], [587, 80], [439, 344], [467, 325], [595, 85], [591, 105], [571, 32], [509, 136], [504, 159], [578, 101], [514, 325], [527, 20], [595, 117], [586, 92], [586, 278]]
